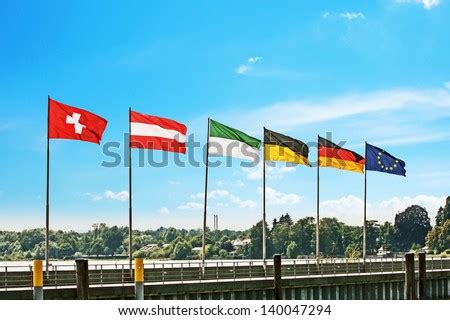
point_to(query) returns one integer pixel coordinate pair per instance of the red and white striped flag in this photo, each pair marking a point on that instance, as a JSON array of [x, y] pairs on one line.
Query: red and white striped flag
[[150, 132]]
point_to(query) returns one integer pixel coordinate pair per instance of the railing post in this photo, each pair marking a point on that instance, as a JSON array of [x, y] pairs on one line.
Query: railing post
[[38, 280], [410, 283], [139, 278], [277, 276], [82, 279], [422, 276]]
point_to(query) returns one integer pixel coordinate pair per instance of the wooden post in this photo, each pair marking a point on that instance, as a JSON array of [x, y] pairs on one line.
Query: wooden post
[[410, 282], [422, 276], [82, 279], [277, 276], [38, 280], [139, 278]]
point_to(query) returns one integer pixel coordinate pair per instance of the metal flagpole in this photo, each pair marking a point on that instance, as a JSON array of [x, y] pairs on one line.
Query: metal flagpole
[[206, 199], [264, 242], [318, 203], [47, 205], [365, 209], [130, 208]]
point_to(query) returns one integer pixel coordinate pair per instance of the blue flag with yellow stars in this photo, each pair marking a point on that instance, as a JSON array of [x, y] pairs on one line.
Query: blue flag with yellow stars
[[379, 160]]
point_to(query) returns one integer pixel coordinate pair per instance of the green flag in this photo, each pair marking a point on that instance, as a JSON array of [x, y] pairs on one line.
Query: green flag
[[228, 142]]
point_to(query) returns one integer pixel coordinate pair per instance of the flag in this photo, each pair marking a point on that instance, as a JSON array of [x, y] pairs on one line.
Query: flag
[[278, 147], [379, 160], [150, 132], [66, 122], [332, 155], [228, 142]]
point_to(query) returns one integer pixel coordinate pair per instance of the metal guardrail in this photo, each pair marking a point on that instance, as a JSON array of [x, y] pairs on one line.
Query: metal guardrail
[[104, 274]]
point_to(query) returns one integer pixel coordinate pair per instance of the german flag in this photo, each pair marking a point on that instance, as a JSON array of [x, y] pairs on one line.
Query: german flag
[[278, 147], [332, 155]]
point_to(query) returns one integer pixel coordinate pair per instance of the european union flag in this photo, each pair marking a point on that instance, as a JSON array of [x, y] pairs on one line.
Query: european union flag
[[379, 160]]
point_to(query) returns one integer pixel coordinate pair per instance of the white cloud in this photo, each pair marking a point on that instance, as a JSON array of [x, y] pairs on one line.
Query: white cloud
[[349, 209], [121, 195], [275, 197], [190, 206], [348, 15], [427, 4], [243, 69], [108, 194], [352, 15], [239, 183], [221, 194], [394, 106], [272, 172], [447, 85], [174, 182], [254, 59], [164, 210]]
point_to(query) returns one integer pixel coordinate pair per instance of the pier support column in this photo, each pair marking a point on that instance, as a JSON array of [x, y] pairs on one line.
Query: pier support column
[[422, 276], [410, 281], [277, 277], [139, 278], [38, 280], [82, 279]]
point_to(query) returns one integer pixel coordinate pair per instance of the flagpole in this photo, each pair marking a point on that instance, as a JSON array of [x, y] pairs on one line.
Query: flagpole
[[365, 209], [47, 202], [318, 203], [130, 208], [206, 199], [264, 236]]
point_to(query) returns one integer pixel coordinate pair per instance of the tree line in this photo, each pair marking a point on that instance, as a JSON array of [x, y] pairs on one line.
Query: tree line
[[411, 230]]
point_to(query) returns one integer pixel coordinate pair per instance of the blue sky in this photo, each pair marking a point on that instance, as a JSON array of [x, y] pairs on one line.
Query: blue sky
[[373, 71]]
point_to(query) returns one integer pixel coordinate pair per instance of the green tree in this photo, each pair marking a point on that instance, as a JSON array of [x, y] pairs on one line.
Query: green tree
[[292, 250], [170, 235], [280, 237], [181, 250], [411, 226], [387, 232], [330, 237], [112, 239], [443, 213], [439, 238], [303, 232]]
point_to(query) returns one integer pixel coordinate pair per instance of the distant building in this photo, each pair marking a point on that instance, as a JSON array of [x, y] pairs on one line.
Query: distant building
[[240, 242], [384, 251]]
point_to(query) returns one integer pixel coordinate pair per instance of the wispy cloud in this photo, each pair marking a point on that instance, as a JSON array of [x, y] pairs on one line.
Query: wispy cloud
[[396, 112], [275, 197], [243, 69], [447, 85], [164, 210], [254, 59], [174, 182], [191, 206], [108, 194], [272, 171], [246, 68], [347, 15], [226, 195], [427, 4], [352, 15]]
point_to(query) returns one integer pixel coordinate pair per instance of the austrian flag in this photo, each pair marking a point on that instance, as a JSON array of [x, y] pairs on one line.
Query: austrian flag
[[150, 132], [66, 122]]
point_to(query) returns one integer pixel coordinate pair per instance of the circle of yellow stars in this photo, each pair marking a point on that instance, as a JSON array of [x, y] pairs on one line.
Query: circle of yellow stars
[[382, 166]]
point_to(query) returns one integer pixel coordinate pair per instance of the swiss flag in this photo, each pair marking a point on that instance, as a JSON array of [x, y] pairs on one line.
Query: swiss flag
[[66, 122]]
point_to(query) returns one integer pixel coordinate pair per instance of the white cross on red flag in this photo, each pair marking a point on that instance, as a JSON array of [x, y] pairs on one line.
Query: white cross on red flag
[[66, 122]]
